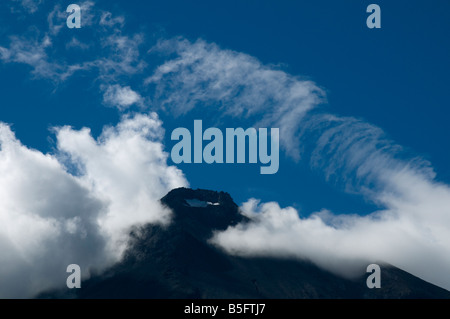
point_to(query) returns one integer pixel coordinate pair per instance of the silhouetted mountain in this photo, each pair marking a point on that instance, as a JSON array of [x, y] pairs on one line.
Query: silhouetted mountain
[[178, 262]]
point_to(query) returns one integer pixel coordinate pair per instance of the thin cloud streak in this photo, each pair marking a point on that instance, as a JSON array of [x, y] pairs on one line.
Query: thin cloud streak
[[201, 75]]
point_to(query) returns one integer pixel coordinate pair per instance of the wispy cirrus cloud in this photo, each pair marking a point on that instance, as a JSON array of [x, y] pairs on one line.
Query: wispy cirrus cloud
[[234, 84], [57, 17], [356, 154], [107, 19], [113, 53], [31, 6], [75, 43], [123, 58], [31, 52]]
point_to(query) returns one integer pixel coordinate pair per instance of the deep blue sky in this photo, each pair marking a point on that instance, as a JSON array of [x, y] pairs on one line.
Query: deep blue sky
[[395, 77]]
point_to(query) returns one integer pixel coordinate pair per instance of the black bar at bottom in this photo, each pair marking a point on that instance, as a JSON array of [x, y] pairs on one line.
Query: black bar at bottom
[[220, 308]]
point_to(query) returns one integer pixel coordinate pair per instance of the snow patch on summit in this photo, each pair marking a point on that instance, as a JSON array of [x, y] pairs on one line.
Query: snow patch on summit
[[199, 203]]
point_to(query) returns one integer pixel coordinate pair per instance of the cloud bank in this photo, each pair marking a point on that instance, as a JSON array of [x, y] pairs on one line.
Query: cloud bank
[[50, 218], [413, 234]]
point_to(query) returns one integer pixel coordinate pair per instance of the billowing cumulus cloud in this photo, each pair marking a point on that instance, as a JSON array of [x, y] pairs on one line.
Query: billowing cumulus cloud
[[50, 218], [120, 97]]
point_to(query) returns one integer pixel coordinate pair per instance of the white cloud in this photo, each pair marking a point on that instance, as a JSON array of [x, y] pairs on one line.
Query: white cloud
[[121, 97], [30, 5], [38, 198], [89, 13], [113, 53], [123, 58], [234, 84], [56, 20], [411, 232], [126, 167], [355, 154], [50, 218], [108, 20], [32, 53], [77, 44]]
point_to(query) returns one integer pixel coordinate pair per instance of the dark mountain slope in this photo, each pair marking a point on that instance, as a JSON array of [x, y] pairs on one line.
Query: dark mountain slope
[[178, 262]]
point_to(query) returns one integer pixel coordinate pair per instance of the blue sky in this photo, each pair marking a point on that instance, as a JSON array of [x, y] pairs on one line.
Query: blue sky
[[387, 87], [394, 78]]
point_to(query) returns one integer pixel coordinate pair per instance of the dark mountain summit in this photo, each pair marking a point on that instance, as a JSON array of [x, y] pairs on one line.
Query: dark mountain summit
[[200, 212], [178, 262]]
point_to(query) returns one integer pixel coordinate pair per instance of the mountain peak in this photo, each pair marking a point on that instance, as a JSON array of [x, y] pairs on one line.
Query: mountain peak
[[184, 194], [178, 261], [202, 211]]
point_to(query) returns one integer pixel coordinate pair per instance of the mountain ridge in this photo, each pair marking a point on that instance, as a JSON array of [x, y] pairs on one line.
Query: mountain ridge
[[177, 261]]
